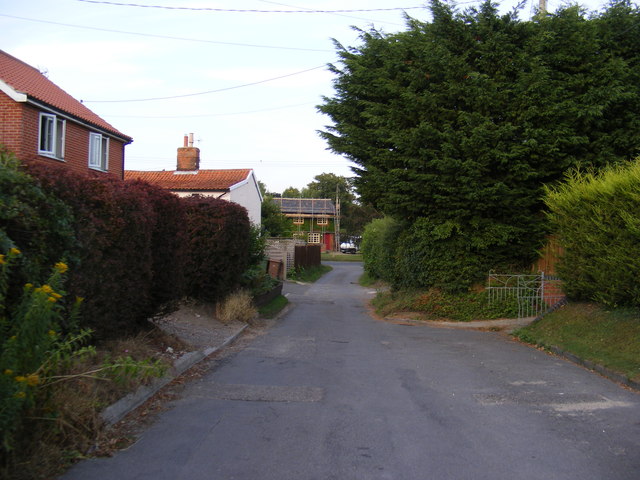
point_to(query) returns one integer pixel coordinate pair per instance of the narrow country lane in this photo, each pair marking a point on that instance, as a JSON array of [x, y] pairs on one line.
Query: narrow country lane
[[331, 393]]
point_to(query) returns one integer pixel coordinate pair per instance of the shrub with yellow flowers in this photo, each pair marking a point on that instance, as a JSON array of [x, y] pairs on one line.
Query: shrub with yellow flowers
[[31, 342]]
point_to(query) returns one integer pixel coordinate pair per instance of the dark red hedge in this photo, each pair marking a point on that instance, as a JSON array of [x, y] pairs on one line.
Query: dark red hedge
[[218, 247]]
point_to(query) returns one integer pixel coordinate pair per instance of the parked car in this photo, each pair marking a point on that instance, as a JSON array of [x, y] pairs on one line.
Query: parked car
[[348, 247]]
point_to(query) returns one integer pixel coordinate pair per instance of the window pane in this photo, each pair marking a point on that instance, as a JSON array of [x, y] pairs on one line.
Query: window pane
[[60, 138], [46, 133]]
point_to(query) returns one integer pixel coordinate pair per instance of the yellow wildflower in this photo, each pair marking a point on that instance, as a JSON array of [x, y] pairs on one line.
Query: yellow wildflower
[[20, 379], [8, 371], [2, 259], [20, 395], [46, 288], [52, 299], [52, 333], [56, 295], [61, 267], [14, 251], [33, 380], [28, 285]]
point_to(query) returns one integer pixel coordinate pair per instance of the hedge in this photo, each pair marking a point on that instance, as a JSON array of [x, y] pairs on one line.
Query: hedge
[[597, 220], [219, 241], [114, 225], [378, 247]]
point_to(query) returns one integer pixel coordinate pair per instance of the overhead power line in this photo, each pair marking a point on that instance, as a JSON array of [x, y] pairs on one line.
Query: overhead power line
[[208, 115], [169, 37], [238, 10], [206, 92]]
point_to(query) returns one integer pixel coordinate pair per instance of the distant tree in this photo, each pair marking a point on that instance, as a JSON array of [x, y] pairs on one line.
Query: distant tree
[[274, 223], [291, 192], [462, 120]]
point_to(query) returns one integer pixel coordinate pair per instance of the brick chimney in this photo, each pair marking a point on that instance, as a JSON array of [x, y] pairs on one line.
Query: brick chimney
[[188, 155]]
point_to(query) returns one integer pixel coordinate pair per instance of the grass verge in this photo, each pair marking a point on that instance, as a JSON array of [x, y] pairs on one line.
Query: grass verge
[[311, 274], [341, 257], [434, 304], [274, 307], [610, 338]]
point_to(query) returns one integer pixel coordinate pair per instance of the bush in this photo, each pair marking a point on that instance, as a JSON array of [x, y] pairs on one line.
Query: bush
[[597, 220], [114, 229], [218, 239], [378, 247], [39, 224], [168, 237], [449, 257]]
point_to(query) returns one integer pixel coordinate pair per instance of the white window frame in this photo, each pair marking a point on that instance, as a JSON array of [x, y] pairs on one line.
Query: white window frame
[[314, 236], [51, 135], [323, 221], [98, 151], [298, 221]]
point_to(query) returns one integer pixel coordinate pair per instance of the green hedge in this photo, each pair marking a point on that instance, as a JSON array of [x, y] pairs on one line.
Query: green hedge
[[378, 247], [597, 220]]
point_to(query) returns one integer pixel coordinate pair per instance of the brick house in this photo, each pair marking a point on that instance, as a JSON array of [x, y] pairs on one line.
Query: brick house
[[313, 219], [234, 185], [40, 121]]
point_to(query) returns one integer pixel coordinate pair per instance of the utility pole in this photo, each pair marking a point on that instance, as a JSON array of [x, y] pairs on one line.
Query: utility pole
[[542, 7], [336, 221]]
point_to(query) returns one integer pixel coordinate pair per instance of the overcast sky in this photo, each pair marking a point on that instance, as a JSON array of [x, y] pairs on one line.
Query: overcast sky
[[265, 73]]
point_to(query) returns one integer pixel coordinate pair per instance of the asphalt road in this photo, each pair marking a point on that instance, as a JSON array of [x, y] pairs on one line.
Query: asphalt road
[[331, 393]]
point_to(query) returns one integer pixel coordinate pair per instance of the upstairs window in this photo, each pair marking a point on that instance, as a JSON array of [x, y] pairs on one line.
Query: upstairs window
[[51, 136], [298, 221], [323, 221], [98, 152]]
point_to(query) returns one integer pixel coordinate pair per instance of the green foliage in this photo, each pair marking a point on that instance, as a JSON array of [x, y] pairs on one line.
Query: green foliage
[[378, 247], [33, 220], [274, 223], [435, 304], [31, 344], [219, 242], [452, 256], [462, 120], [596, 217]]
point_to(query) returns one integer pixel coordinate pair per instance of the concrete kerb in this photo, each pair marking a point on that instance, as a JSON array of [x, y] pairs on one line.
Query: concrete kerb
[[605, 372], [130, 402]]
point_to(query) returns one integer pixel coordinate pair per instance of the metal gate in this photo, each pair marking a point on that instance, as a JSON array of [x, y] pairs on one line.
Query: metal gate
[[536, 294]]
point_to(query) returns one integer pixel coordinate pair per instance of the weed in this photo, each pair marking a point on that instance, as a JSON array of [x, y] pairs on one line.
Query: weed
[[435, 304], [236, 307]]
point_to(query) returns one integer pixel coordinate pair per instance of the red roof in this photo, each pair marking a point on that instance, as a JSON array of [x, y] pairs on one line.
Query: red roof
[[28, 80], [199, 180]]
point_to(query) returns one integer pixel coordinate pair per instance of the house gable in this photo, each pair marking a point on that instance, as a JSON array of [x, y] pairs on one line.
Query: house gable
[[79, 138]]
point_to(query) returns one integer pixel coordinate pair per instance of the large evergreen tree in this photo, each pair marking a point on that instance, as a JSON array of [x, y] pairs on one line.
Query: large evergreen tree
[[460, 121]]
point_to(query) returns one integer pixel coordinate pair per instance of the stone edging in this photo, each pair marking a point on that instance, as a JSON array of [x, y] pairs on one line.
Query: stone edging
[[130, 402], [605, 372]]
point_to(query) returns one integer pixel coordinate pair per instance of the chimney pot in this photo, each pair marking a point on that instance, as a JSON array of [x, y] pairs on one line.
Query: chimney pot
[[186, 140]]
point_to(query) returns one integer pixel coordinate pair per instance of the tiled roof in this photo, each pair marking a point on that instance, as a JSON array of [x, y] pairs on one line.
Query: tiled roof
[[306, 206], [191, 180], [28, 80]]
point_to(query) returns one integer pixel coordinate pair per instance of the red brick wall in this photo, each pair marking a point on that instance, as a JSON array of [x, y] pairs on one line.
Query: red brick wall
[[19, 132]]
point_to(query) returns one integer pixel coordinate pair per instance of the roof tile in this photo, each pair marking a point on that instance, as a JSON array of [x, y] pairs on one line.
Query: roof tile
[[25, 79], [196, 180]]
